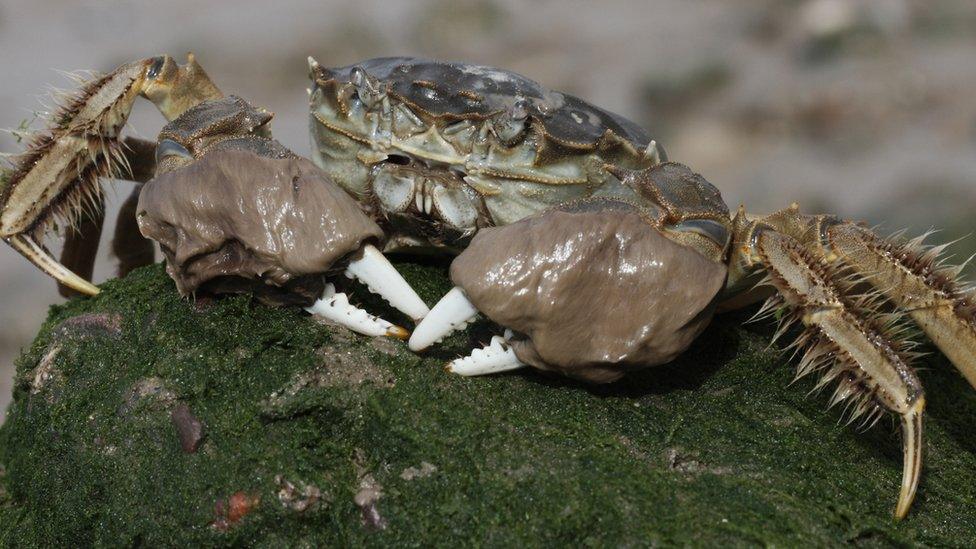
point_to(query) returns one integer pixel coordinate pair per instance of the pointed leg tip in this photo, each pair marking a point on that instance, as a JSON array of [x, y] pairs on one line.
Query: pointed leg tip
[[912, 441], [902, 510], [89, 290], [39, 256], [398, 332]]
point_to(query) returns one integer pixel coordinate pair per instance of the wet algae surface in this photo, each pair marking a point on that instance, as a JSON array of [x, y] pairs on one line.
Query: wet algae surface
[[143, 419]]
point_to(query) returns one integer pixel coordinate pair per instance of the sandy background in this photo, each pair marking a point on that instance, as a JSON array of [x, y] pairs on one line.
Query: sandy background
[[863, 108]]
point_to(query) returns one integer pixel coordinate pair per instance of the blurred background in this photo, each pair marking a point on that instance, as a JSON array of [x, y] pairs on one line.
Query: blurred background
[[862, 108]]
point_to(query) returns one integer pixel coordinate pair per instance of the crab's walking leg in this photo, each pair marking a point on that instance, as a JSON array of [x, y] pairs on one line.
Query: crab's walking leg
[[59, 172], [911, 276], [914, 282], [129, 246], [81, 246], [847, 345]]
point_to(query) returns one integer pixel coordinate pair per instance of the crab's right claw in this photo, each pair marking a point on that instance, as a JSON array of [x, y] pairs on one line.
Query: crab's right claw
[[335, 307], [211, 219]]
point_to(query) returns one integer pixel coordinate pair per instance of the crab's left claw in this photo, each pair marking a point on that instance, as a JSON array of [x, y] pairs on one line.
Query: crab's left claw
[[273, 225], [591, 290]]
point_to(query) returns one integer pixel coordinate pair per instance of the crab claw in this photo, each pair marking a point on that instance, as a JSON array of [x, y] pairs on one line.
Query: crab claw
[[249, 217], [453, 312], [379, 275], [590, 289], [497, 356], [336, 307]]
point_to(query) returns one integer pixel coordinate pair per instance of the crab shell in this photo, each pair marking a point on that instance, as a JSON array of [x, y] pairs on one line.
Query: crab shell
[[495, 146]]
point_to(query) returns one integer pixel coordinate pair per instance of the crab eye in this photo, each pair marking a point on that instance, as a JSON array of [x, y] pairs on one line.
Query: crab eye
[[713, 230], [156, 67], [168, 148]]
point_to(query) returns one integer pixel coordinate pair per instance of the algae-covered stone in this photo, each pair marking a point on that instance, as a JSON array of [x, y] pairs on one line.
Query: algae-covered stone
[[311, 435]]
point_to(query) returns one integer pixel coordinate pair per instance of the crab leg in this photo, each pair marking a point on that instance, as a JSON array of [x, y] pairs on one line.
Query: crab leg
[[58, 174], [453, 312], [81, 246], [336, 307], [914, 282], [131, 248], [43, 260], [847, 346], [374, 270]]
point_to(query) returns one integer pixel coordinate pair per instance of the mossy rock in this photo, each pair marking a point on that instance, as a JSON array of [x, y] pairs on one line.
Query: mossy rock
[[314, 436]]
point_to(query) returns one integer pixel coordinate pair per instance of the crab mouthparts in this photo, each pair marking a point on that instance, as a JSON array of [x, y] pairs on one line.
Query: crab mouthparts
[[381, 278]]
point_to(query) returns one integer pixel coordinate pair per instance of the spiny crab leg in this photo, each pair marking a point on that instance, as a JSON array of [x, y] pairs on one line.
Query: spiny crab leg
[[918, 284], [336, 307], [497, 356], [379, 275], [853, 348], [37, 255], [58, 175], [453, 312], [911, 433]]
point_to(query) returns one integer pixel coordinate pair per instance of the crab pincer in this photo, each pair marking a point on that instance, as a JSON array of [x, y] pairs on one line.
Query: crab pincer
[[248, 216], [590, 289]]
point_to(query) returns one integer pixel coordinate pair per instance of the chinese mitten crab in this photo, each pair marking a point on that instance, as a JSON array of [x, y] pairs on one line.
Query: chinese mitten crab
[[573, 231]]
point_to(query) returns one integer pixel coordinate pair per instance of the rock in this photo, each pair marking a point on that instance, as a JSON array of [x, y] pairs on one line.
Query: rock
[[188, 428], [150, 391], [319, 437], [425, 470], [366, 498], [228, 513], [298, 498], [90, 325]]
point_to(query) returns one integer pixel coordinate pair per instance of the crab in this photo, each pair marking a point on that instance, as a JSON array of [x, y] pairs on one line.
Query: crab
[[569, 227]]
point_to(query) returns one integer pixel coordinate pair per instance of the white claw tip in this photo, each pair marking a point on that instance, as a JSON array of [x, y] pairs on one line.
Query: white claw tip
[[336, 308], [453, 312], [497, 356], [382, 278]]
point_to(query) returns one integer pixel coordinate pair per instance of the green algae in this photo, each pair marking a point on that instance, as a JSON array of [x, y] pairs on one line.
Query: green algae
[[714, 449]]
